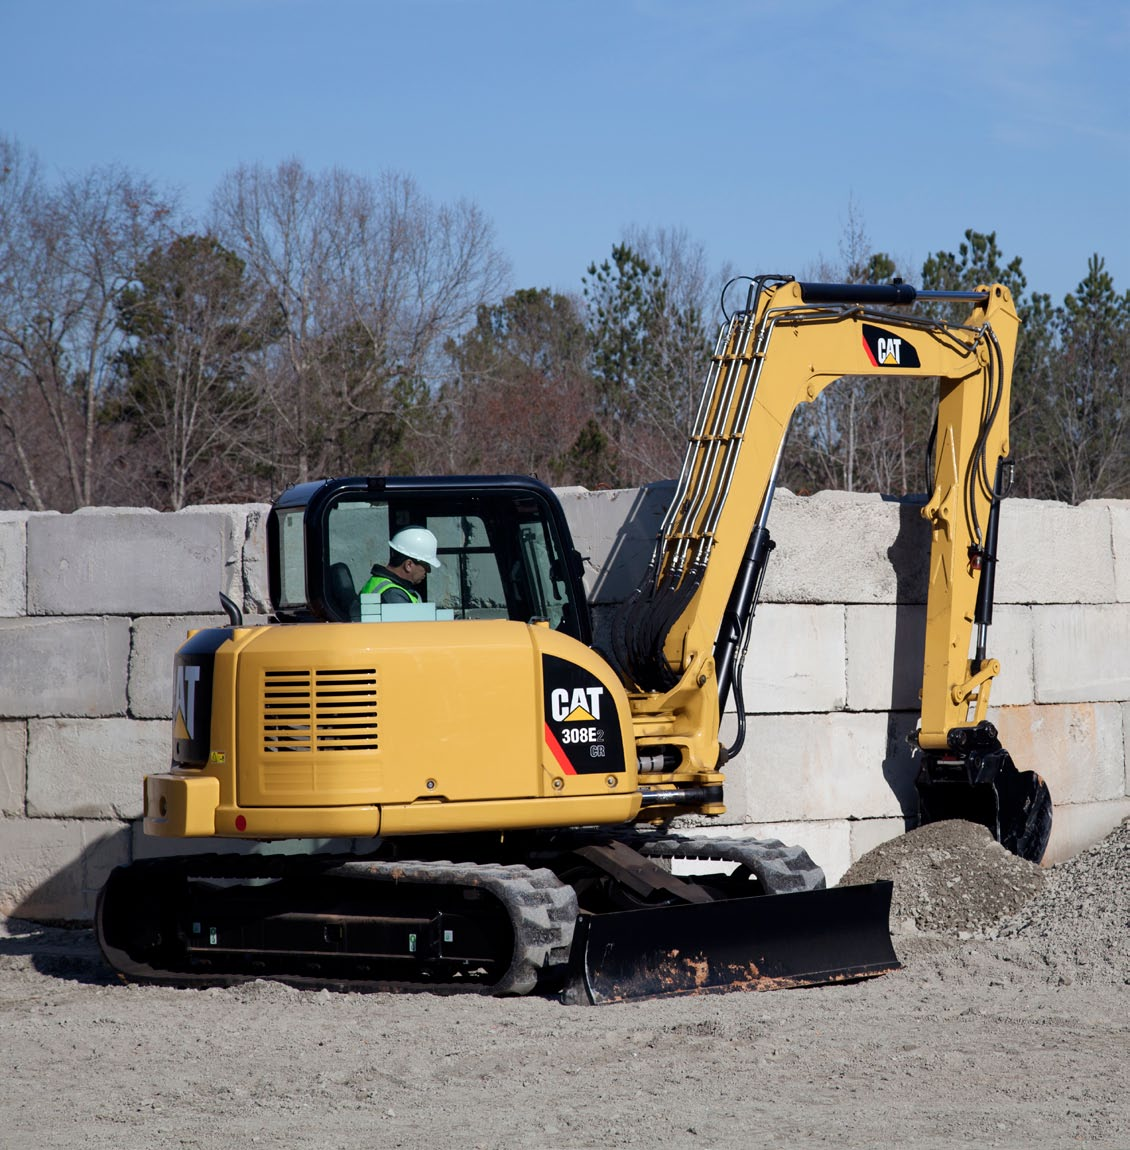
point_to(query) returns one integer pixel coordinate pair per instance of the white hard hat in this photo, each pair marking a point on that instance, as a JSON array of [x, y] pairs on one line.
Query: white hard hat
[[417, 543]]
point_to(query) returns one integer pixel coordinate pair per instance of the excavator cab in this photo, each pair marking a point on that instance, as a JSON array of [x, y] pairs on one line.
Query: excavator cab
[[503, 541]]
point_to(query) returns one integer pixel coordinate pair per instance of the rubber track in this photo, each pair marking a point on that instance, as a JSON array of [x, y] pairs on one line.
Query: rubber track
[[779, 868], [542, 909]]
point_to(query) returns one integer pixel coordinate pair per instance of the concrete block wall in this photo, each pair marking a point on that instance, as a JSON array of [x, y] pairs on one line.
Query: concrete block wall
[[92, 606]]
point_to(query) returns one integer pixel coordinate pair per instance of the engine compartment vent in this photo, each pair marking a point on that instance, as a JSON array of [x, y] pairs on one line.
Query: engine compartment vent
[[320, 710]]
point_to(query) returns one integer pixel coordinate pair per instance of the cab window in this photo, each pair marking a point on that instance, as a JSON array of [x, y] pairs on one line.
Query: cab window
[[499, 555]]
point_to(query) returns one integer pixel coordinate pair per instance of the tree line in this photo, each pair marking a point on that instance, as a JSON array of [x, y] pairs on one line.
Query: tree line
[[329, 324]]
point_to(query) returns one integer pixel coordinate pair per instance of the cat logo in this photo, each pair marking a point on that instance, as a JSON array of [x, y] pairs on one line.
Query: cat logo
[[185, 708], [582, 704], [582, 729], [885, 349], [888, 350]]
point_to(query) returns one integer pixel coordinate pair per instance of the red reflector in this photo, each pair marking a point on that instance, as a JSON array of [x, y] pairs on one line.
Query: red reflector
[[240, 823]]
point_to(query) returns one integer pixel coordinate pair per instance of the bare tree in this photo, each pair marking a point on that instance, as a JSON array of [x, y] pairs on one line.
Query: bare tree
[[522, 392], [21, 194], [67, 254], [1079, 443], [683, 342], [369, 279], [863, 433], [651, 345]]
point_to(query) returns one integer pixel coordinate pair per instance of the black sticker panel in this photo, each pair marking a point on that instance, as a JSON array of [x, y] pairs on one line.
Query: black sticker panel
[[886, 349], [582, 726], [192, 697]]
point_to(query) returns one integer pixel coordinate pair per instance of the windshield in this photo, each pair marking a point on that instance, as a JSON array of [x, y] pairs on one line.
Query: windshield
[[499, 556]]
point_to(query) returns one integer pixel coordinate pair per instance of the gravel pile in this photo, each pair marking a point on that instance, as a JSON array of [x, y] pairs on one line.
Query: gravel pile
[[953, 881], [950, 878], [1080, 922]]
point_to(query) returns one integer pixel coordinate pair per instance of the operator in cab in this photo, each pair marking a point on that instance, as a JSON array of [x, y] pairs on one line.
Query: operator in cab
[[411, 556]]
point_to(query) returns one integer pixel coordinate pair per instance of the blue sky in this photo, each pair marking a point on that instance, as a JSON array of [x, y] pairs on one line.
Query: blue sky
[[757, 127]]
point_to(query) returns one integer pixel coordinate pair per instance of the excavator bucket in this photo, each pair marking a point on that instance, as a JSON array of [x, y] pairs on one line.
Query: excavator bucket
[[986, 788], [770, 942]]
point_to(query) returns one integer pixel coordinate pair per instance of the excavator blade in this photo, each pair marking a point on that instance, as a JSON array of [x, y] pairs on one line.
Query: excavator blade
[[1016, 806], [771, 942]]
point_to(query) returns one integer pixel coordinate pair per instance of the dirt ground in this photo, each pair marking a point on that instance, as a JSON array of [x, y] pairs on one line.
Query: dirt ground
[[1008, 1026]]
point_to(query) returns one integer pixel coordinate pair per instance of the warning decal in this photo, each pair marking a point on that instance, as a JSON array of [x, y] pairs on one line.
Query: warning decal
[[582, 726]]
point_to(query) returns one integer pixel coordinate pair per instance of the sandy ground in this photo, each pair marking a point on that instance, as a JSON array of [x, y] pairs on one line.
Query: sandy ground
[[1016, 1035]]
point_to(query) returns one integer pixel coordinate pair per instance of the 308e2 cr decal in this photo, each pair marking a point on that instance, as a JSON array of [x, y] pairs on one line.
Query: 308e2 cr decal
[[582, 728]]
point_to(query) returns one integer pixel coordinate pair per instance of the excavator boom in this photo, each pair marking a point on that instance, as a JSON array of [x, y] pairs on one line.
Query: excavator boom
[[690, 618]]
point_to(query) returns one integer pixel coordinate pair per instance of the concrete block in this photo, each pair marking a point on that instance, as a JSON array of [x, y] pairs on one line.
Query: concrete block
[[1082, 653], [247, 576], [73, 666], [13, 563], [1053, 553], [839, 547], [51, 870], [615, 532], [131, 561], [867, 834], [256, 589], [1078, 749], [1011, 641], [885, 649], [145, 846], [1074, 828], [155, 641], [796, 660], [92, 768], [1120, 543], [800, 768], [13, 767]]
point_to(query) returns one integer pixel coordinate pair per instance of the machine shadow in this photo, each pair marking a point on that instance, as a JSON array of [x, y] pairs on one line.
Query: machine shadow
[[909, 558]]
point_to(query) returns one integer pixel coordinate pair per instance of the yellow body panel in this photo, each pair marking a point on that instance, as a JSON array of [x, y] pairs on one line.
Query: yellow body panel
[[355, 729], [452, 708], [181, 806]]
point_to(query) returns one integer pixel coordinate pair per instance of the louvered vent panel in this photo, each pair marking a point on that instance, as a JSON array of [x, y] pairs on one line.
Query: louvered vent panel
[[321, 711]]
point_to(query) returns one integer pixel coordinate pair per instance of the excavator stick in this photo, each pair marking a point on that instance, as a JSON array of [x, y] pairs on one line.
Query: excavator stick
[[770, 942]]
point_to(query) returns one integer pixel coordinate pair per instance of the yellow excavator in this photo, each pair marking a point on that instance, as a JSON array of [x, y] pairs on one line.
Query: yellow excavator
[[515, 783]]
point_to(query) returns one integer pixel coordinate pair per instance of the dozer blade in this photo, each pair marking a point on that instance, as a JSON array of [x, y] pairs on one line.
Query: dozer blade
[[771, 942]]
